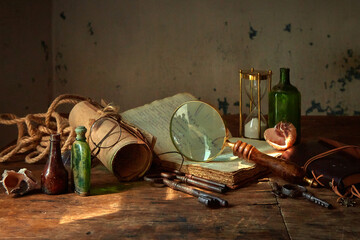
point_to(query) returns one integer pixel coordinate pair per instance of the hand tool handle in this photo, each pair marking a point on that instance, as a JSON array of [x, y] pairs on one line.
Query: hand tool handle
[[222, 202], [287, 170], [209, 202]]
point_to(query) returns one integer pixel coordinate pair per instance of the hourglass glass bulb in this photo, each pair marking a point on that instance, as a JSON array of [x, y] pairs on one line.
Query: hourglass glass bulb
[[255, 89], [251, 89], [251, 127]]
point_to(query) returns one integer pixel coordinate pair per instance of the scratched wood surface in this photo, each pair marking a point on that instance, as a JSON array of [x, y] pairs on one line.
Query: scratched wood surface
[[138, 211]]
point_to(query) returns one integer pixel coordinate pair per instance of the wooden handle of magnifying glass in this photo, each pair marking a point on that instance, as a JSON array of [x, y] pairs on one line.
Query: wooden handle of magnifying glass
[[284, 169]]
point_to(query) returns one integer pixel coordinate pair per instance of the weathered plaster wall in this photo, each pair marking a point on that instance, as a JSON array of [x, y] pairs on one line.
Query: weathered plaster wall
[[135, 51], [25, 60]]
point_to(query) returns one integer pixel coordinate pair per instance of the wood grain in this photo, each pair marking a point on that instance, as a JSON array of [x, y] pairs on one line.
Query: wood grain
[[136, 210]]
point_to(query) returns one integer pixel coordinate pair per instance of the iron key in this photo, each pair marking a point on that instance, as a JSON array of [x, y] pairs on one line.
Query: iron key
[[294, 191]]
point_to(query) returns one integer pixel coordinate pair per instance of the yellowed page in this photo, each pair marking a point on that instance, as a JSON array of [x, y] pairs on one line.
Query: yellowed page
[[155, 118]]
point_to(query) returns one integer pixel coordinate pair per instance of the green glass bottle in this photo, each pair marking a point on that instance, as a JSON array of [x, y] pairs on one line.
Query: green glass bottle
[[81, 162], [285, 103]]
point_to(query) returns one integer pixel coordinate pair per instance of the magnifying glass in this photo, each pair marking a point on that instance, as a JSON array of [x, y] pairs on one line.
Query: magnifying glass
[[198, 132]]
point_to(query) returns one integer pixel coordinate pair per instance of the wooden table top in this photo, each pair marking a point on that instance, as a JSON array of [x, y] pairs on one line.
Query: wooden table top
[[138, 211]]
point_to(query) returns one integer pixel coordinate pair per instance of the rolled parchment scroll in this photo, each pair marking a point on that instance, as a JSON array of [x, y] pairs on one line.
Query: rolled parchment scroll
[[128, 159]]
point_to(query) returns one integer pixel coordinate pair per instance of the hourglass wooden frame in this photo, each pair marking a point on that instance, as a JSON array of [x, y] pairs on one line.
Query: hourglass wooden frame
[[253, 75]]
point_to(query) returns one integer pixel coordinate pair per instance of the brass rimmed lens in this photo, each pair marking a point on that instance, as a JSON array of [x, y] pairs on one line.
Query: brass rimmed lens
[[197, 130]]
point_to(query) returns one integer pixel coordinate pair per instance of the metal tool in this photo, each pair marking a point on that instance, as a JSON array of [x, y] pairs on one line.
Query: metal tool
[[173, 181], [346, 202], [222, 186], [196, 181], [202, 196], [295, 191]]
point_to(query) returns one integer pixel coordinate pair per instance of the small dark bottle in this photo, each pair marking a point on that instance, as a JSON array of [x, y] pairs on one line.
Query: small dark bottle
[[54, 178]]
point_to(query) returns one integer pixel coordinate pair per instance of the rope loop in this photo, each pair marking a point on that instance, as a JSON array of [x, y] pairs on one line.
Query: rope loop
[[112, 111], [34, 130]]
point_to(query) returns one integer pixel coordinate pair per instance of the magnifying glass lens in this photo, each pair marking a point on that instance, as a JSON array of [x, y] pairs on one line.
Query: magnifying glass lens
[[198, 131]]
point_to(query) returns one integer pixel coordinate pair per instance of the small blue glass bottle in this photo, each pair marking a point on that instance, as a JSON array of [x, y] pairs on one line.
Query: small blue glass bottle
[[81, 162]]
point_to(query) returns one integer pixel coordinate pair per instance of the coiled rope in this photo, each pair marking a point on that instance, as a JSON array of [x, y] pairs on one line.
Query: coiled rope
[[34, 131]]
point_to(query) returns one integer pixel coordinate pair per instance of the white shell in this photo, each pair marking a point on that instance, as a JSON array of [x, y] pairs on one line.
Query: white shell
[[19, 183]]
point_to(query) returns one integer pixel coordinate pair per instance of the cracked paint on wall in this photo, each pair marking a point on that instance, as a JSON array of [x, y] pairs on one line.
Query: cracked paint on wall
[[91, 31], [252, 33], [90, 28], [339, 87], [223, 105], [45, 49], [352, 73], [339, 109], [60, 69], [287, 27], [62, 15]]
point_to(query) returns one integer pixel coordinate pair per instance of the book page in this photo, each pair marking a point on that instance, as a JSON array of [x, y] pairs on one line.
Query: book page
[[155, 118]]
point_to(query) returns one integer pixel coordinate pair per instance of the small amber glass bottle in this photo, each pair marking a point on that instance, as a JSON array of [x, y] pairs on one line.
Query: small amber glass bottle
[[81, 162], [285, 103], [54, 178]]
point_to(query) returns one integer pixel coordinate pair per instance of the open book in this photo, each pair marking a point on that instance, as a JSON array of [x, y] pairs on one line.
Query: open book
[[155, 118]]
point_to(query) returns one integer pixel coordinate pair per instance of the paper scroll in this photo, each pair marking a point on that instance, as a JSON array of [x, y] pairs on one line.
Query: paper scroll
[[128, 159]]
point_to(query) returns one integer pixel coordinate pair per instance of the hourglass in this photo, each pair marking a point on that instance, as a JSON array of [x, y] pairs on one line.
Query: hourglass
[[255, 88]]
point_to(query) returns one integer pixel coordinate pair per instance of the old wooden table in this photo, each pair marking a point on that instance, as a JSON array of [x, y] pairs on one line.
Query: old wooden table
[[137, 211]]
